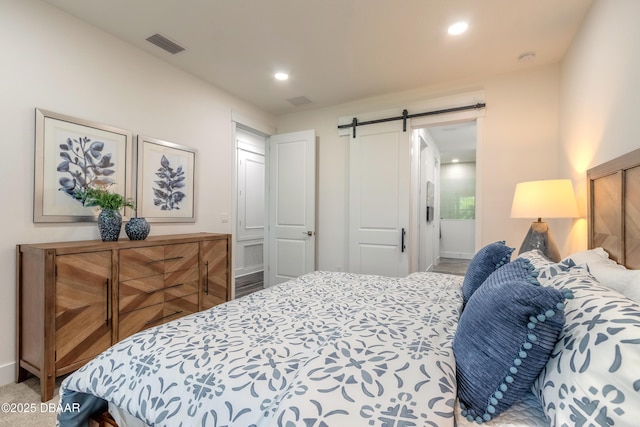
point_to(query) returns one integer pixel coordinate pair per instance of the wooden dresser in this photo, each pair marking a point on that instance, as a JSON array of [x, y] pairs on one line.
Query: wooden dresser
[[76, 299]]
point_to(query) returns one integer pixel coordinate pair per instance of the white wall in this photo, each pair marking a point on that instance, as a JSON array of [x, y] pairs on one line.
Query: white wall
[[519, 143], [457, 237], [53, 61], [599, 97]]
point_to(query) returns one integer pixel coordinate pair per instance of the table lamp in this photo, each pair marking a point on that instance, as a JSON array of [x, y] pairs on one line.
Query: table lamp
[[552, 198]]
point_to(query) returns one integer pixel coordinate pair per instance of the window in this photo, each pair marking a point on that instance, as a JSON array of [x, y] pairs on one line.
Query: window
[[458, 191]]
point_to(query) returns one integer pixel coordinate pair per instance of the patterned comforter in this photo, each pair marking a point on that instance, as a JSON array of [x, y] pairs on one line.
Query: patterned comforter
[[325, 349]]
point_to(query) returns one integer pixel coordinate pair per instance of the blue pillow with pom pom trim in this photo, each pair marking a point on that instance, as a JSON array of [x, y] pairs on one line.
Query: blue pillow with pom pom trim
[[504, 338], [483, 263], [520, 268]]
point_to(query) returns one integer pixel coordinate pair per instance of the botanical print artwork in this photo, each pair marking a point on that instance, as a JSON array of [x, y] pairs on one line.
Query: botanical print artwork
[[166, 194], [166, 181], [84, 165], [72, 155]]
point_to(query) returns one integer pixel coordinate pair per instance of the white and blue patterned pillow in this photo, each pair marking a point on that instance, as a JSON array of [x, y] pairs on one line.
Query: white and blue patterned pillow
[[536, 257], [548, 272], [593, 375]]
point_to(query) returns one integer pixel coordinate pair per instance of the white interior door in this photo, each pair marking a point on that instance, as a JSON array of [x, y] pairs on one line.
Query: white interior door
[[250, 183], [379, 177], [292, 185], [251, 186]]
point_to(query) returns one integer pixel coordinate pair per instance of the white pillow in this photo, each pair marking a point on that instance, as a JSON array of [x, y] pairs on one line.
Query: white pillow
[[608, 272], [618, 278], [591, 256]]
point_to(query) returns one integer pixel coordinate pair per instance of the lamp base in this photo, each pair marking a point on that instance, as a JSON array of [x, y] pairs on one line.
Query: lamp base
[[539, 237]]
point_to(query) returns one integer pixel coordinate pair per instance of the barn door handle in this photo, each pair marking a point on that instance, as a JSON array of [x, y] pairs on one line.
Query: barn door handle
[[403, 246]]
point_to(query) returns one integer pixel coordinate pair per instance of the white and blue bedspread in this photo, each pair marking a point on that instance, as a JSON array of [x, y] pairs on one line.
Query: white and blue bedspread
[[326, 349]]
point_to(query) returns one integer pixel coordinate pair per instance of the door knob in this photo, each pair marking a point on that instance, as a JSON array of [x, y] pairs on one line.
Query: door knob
[[308, 233]]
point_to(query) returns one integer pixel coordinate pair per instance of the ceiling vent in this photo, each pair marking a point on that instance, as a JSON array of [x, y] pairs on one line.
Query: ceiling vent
[[164, 43], [300, 100]]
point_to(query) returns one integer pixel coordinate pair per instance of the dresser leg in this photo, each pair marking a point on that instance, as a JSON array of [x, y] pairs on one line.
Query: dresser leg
[[21, 373], [47, 384]]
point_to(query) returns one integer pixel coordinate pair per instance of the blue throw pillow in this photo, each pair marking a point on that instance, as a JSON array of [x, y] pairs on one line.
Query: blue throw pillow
[[504, 338], [520, 268], [483, 263]]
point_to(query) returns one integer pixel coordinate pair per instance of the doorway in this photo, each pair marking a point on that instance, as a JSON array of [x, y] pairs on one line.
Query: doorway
[[456, 145], [249, 218]]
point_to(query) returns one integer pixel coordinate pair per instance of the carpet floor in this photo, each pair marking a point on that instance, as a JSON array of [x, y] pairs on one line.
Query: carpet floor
[[21, 406]]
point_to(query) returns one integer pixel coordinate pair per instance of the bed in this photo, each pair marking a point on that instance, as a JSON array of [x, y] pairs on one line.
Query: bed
[[515, 342]]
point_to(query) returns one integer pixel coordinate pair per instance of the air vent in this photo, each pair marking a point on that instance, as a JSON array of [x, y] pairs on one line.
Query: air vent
[[164, 43], [300, 100]]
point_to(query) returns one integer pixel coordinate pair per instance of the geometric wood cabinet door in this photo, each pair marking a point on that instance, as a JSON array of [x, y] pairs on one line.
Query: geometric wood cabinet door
[[83, 314], [62, 307], [215, 257]]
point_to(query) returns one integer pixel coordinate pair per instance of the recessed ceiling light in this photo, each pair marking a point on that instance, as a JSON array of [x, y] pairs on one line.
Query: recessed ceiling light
[[281, 76], [458, 28]]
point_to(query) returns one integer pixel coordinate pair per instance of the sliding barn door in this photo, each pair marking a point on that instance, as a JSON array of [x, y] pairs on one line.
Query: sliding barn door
[[379, 177]]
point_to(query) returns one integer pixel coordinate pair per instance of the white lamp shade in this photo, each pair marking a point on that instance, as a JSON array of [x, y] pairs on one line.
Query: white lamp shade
[[553, 198]]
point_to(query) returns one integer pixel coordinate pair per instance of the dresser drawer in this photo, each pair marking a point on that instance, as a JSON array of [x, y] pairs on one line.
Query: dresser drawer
[[181, 289], [182, 276], [141, 262], [179, 307], [181, 256], [138, 320], [138, 293]]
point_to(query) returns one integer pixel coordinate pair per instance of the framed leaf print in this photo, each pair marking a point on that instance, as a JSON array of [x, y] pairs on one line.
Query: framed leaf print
[[166, 181], [71, 154]]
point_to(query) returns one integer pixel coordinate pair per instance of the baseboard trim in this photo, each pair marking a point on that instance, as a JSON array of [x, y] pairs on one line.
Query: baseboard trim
[[239, 272], [7, 373], [457, 255]]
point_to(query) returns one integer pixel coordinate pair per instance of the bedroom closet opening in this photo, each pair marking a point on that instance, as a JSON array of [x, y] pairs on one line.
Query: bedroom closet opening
[[250, 202]]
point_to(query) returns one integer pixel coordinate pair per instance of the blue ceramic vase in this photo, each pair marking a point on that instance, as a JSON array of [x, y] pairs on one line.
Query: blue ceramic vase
[[109, 225], [137, 229]]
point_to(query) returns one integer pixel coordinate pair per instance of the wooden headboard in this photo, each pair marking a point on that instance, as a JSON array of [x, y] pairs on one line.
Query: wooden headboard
[[613, 210]]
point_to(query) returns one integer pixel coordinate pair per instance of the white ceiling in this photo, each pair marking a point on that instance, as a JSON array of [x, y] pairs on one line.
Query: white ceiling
[[337, 51], [455, 141]]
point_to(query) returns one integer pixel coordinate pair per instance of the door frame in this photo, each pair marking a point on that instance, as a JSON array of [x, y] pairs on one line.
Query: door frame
[[238, 121], [426, 122]]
